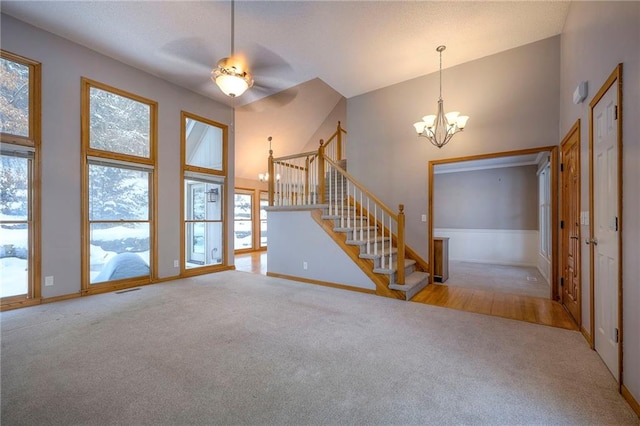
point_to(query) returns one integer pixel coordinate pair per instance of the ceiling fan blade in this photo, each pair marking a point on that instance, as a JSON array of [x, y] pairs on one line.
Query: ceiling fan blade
[[191, 52], [265, 61], [259, 98]]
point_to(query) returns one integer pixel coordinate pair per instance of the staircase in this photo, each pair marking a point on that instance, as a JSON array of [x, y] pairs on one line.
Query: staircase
[[374, 246], [368, 231]]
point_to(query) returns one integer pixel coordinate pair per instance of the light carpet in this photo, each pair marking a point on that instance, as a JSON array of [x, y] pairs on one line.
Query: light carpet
[[236, 348]]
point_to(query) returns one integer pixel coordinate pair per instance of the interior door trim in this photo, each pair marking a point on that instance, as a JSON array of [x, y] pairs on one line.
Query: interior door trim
[[614, 78]]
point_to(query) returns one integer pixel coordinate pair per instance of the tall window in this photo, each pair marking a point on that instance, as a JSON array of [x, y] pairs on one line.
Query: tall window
[[264, 202], [203, 172], [19, 177], [243, 220], [118, 143]]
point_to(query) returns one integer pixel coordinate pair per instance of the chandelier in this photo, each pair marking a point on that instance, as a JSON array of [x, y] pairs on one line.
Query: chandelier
[[440, 128]]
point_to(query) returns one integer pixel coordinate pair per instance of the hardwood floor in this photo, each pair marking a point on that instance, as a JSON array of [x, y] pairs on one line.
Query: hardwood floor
[[254, 262], [522, 308]]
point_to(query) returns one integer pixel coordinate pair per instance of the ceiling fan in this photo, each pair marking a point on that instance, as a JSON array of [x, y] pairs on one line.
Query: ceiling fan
[[256, 67], [231, 74]]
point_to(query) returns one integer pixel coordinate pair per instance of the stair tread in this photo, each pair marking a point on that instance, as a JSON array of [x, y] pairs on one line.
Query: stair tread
[[356, 228], [365, 241], [412, 282], [394, 267], [378, 255]]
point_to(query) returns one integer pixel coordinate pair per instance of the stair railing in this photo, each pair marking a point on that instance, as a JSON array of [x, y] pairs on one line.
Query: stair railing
[[336, 151], [294, 179], [369, 220], [315, 177]]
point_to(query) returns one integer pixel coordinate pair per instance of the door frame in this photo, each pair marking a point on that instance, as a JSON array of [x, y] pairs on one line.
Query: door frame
[[575, 129], [614, 78], [553, 150]]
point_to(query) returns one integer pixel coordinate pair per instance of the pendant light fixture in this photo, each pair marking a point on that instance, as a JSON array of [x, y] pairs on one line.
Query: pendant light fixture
[[229, 74], [440, 128]]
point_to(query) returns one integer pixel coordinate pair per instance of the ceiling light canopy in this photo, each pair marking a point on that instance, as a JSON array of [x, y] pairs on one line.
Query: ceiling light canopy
[[440, 128]]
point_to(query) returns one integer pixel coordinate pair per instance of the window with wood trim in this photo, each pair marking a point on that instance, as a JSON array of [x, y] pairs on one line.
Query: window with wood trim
[[243, 224], [118, 187], [20, 106], [264, 203], [203, 152]]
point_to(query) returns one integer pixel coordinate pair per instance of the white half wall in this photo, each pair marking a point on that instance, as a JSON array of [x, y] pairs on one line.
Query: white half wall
[[295, 237], [494, 246], [544, 267]]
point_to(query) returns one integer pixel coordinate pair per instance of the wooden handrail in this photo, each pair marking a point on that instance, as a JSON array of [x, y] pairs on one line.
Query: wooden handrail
[[289, 157], [338, 136], [400, 258], [362, 189]]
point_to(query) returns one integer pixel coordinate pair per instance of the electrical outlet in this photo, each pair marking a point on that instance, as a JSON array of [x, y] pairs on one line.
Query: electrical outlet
[[176, 264], [304, 265], [424, 217], [48, 281]]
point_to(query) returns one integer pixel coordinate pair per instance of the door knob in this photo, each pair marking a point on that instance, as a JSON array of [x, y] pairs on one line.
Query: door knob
[[593, 241]]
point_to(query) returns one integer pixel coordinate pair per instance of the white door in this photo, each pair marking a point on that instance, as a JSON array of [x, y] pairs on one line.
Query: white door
[[606, 215]]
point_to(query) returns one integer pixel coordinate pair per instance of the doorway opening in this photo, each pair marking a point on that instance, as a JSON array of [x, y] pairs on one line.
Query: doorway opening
[[497, 214]]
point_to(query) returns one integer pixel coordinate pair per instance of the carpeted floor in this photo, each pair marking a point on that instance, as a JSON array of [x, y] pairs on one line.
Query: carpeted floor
[[521, 280], [237, 348]]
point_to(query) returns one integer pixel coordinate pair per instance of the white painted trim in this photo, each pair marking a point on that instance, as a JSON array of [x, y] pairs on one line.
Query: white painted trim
[[494, 246]]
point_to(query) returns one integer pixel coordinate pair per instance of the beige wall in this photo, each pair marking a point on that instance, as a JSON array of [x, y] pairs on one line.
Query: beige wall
[[596, 37], [511, 97]]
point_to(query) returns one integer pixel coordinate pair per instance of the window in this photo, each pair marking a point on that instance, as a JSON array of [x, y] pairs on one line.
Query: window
[[544, 217], [118, 142], [203, 223], [264, 202], [203, 193], [243, 220], [19, 178]]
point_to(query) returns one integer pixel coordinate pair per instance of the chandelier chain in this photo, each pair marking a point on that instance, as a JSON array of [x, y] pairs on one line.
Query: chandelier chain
[[440, 50]]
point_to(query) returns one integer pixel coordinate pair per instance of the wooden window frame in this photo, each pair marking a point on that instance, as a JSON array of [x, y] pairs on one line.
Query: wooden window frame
[[149, 163], [260, 247], [252, 194], [32, 141], [215, 176]]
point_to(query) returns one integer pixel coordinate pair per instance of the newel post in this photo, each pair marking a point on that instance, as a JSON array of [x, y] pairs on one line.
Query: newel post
[[400, 274], [339, 141], [272, 176], [321, 179]]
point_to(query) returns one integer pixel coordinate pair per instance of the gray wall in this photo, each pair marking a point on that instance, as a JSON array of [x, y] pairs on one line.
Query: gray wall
[[295, 238], [596, 37], [504, 198], [511, 97], [63, 64]]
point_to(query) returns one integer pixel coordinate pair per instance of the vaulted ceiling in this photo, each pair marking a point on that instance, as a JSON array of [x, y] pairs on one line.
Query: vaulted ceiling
[[316, 49], [353, 46]]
